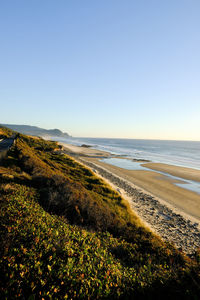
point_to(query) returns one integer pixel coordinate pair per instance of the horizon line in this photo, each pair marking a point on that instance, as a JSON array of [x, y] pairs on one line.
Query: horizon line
[[125, 138], [96, 137]]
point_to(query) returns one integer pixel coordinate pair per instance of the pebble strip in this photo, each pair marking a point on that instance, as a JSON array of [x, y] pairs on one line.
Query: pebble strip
[[171, 226]]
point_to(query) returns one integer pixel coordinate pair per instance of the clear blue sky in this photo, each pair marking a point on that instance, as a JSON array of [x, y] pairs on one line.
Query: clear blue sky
[[102, 68]]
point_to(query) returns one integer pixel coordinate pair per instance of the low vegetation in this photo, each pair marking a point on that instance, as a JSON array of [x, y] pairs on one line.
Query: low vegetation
[[65, 234], [5, 132]]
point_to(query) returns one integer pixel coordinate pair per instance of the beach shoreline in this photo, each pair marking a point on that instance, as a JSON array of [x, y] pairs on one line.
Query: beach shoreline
[[172, 222], [182, 172]]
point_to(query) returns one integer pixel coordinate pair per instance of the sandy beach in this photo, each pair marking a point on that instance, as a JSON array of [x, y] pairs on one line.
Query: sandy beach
[[155, 183], [167, 208], [160, 186], [185, 173], [85, 151]]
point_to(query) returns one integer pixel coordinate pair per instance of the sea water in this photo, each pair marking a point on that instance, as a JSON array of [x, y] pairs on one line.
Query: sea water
[[179, 153], [132, 165]]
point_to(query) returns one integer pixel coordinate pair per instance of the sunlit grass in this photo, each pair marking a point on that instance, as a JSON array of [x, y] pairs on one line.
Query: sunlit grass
[[66, 234], [5, 132]]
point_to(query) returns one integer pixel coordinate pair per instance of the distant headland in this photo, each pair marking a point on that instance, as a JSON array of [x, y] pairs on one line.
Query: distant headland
[[36, 131]]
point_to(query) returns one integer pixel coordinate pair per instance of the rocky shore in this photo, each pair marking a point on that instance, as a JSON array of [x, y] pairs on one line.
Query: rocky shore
[[170, 225]]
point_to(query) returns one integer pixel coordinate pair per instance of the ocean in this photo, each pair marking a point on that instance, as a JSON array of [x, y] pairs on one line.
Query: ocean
[[179, 153]]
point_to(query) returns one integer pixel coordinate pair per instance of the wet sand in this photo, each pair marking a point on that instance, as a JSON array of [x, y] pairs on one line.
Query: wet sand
[[171, 211], [84, 151], [182, 172], [154, 183], [160, 186]]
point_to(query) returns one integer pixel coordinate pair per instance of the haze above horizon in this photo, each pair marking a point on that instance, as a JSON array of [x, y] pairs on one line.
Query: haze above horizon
[[119, 69]]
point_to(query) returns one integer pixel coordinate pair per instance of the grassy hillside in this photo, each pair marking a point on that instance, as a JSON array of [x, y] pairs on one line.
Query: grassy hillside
[[5, 132], [36, 131], [66, 234]]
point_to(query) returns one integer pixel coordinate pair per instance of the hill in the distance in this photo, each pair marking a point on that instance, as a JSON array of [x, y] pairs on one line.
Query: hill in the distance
[[36, 131]]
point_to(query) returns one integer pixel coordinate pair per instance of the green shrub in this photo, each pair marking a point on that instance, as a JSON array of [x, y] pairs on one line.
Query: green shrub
[[64, 233]]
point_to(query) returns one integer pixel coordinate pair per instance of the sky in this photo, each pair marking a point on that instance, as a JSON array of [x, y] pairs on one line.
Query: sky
[[102, 68]]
